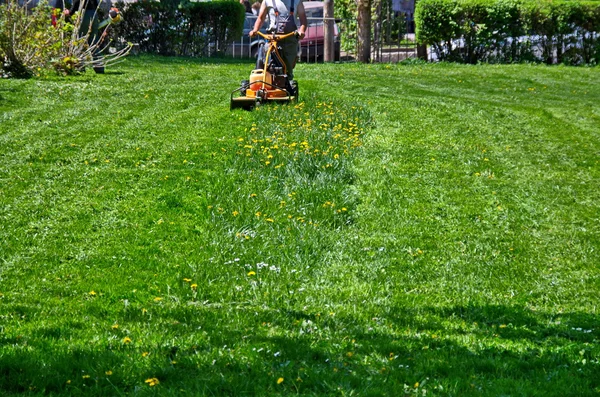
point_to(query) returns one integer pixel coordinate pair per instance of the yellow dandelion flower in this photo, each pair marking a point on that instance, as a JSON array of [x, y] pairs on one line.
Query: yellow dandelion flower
[[127, 339], [152, 381], [236, 213], [85, 376], [109, 372], [279, 381], [194, 286], [270, 220], [115, 326], [187, 280], [251, 273], [416, 385], [145, 354], [157, 299], [93, 293]]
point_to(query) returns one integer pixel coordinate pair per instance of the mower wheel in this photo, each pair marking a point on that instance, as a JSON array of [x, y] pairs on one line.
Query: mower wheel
[[295, 91]]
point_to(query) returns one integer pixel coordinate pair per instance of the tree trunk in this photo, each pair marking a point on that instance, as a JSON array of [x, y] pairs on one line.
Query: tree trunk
[[377, 43], [364, 30], [328, 33], [422, 51]]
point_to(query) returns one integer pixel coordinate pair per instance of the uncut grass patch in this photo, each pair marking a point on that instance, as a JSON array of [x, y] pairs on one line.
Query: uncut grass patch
[[151, 234]]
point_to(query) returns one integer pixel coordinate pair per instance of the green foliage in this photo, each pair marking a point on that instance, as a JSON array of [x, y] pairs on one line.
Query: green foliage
[[510, 30], [346, 11], [181, 28]]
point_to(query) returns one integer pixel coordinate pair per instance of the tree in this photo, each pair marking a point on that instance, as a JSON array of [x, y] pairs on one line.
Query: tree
[[364, 30], [328, 32]]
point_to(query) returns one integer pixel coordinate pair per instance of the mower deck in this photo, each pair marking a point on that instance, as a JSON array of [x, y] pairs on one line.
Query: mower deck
[[250, 99], [248, 103]]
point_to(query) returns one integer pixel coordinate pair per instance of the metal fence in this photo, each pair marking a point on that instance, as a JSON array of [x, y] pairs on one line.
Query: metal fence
[[392, 39]]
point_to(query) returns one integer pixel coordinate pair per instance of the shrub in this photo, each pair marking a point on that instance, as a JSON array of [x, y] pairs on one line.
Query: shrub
[[28, 41], [189, 29], [510, 30], [39, 39]]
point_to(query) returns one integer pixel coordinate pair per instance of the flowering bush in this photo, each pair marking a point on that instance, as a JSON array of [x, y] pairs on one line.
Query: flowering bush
[[28, 41], [40, 39]]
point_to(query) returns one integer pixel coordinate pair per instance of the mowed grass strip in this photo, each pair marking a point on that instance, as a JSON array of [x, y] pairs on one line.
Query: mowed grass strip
[[409, 229]]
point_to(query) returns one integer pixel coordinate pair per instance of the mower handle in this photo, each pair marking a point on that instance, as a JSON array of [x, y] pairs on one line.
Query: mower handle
[[276, 37]]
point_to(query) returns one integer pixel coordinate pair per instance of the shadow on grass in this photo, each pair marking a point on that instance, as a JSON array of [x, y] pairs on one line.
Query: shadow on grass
[[474, 350]]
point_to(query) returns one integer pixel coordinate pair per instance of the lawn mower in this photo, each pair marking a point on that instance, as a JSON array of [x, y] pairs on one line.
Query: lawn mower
[[269, 84]]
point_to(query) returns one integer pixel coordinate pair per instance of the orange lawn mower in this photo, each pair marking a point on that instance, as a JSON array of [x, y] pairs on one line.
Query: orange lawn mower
[[269, 84]]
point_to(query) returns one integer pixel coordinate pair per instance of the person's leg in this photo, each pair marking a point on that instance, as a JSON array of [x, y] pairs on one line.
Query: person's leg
[[289, 53], [260, 56], [90, 19], [89, 26]]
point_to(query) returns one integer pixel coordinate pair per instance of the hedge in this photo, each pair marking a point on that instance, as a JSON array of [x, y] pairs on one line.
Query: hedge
[[506, 31], [185, 29]]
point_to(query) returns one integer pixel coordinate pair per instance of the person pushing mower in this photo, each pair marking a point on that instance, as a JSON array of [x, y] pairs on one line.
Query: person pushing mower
[[285, 16], [271, 80]]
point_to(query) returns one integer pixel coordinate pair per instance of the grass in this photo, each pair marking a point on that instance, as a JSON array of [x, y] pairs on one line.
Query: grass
[[426, 229]]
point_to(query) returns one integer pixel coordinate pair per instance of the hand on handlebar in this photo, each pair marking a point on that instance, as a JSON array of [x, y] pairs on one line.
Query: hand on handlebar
[[252, 33], [299, 34]]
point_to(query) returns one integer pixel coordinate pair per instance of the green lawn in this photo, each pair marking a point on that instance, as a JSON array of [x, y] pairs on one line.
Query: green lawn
[[426, 229]]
